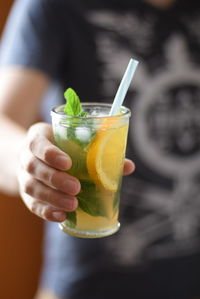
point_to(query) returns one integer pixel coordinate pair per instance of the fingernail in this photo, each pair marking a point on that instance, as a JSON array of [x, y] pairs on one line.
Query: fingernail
[[71, 204], [63, 162], [58, 216], [71, 186]]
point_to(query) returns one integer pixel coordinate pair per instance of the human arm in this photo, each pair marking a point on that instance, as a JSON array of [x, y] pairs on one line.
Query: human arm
[[28, 153], [20, 97], [19, 94]]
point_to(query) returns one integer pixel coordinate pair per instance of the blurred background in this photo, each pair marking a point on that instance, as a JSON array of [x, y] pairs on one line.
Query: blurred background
[[20, 236]]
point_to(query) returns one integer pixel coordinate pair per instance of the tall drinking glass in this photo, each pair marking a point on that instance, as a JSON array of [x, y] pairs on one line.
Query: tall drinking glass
[[96, 144]]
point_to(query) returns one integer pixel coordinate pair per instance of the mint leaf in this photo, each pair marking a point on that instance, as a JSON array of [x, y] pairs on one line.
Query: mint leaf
[[73, 106], [71, 219], [89, 201]]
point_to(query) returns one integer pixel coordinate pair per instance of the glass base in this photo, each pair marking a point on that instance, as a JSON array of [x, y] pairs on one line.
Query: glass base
[[89, 234]]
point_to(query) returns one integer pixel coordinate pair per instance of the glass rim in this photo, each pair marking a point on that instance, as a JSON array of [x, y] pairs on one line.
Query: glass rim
[[126, 112]]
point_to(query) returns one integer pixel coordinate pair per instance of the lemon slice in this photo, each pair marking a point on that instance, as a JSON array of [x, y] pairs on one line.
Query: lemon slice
[[106, 156]]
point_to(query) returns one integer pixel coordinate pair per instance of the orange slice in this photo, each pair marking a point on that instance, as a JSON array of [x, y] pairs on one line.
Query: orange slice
[[105, 156]]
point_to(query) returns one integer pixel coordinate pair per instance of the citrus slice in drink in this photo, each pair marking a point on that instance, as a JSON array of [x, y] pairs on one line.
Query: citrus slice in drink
[[106, 156]]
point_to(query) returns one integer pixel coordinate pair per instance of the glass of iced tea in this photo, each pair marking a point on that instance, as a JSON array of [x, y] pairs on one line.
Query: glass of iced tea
[[96, 144]]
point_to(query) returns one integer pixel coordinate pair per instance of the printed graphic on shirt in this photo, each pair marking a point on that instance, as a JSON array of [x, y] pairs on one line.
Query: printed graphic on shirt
[[164, 134]]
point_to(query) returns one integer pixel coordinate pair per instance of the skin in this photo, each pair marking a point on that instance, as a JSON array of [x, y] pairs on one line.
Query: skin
[[34, 166]]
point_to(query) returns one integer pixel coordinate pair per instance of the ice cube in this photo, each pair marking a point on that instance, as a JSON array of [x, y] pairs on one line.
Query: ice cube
[[83, 134], [61, 131]]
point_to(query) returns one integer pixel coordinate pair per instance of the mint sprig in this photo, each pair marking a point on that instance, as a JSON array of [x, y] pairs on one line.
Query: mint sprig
[[89, 200], [73, 105], [74, 108]]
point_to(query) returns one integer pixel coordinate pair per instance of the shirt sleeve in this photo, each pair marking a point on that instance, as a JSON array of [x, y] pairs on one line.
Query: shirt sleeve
[[32, 37]]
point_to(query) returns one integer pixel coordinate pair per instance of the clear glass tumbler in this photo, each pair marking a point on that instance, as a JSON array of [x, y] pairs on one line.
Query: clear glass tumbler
[[96, 144]]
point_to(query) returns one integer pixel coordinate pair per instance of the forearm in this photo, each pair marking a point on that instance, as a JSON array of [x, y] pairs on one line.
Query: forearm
[[20, 96], [12, 137]]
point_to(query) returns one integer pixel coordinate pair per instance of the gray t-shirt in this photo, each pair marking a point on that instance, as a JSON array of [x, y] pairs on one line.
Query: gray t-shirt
[[87, 45]]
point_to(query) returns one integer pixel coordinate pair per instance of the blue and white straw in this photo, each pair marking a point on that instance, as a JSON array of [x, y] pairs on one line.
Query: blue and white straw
[[123, 87]]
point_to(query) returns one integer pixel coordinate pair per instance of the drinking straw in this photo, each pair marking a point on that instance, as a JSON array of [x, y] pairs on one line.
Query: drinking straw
[[123, 87]]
